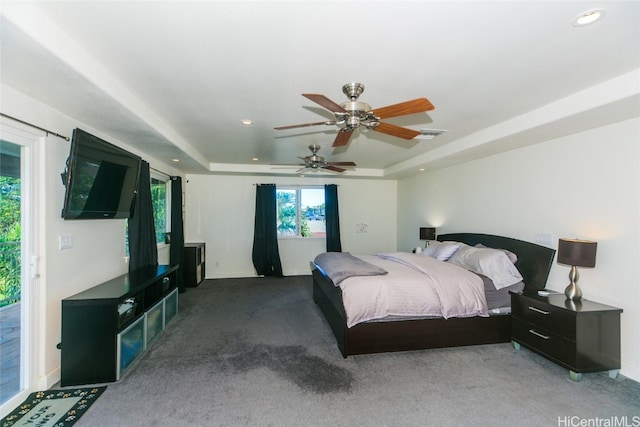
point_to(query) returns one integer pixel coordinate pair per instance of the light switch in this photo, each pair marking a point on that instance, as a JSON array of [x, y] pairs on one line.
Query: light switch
[[65, 242]]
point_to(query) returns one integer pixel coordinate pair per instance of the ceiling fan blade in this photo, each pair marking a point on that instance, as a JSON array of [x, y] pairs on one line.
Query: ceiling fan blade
[[333, 168], [325, 102], [305, 125], [398, 131], [342, 138], [409, 107], [341, 163]]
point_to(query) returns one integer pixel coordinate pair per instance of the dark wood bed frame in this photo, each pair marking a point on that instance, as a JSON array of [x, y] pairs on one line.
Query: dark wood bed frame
[[534, 263]]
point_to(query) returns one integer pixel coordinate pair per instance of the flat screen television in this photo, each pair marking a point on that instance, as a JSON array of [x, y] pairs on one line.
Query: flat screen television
[[101, 179]]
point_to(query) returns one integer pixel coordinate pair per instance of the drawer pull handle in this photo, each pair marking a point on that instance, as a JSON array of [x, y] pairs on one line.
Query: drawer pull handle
[[537, 310], [538, 334]]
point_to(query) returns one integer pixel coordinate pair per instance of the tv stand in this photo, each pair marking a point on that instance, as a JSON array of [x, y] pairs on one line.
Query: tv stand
[[105, 328]]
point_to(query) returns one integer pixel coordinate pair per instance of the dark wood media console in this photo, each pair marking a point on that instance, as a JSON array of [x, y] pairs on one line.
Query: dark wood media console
[[105, 328]]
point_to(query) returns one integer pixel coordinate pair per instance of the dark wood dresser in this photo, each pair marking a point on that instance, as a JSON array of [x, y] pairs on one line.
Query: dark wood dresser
[[583, 336]]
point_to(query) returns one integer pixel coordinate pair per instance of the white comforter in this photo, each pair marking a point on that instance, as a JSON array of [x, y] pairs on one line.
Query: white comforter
[[416, 285]]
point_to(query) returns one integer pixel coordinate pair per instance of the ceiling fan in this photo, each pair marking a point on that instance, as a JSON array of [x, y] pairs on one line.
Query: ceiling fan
[[314, 162], [352, 114]]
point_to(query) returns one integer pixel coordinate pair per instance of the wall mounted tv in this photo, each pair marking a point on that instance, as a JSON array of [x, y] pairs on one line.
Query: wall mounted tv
[[101, 179]]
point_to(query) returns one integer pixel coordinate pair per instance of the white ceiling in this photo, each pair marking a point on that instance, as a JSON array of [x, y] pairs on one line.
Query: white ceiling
[[175, 78]]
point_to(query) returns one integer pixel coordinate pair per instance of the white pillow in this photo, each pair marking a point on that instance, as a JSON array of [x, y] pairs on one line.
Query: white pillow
[[492, 263], [441, 250], [512, 257]]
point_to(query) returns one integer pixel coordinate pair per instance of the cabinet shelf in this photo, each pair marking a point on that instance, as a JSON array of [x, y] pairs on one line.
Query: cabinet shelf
[[193, 264], [105, 328]]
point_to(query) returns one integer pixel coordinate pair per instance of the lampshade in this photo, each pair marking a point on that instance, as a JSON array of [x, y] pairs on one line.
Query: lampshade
[[427, 233], [575, 252]]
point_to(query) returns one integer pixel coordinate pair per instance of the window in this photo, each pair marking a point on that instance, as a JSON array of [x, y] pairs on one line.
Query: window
[[160, 202], [300, 212]]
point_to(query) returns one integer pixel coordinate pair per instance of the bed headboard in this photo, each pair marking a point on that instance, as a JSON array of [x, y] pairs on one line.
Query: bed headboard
[[534, 261]]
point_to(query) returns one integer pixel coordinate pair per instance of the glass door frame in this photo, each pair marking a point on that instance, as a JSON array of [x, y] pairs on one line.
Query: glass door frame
[[31, 301]]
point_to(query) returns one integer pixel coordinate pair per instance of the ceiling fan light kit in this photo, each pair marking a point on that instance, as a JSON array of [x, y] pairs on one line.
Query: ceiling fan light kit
[[353, 114]]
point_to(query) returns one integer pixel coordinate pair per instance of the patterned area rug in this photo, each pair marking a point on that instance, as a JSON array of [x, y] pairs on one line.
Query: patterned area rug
[[53, 408]]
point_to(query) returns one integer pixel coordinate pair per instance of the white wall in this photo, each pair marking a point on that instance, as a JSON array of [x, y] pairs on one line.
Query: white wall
[[585, 185], [98, 248], [220, 211]]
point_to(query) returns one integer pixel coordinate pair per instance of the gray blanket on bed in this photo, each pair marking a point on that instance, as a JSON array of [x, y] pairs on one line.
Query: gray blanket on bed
[[342, 265]]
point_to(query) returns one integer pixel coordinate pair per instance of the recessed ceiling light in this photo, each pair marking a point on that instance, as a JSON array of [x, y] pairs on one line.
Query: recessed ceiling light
[[255, 159], [246, 121], [588, 17], [421, 169], [175, 160]]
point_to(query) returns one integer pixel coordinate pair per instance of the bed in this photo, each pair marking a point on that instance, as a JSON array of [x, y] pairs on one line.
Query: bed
[[533, 262]]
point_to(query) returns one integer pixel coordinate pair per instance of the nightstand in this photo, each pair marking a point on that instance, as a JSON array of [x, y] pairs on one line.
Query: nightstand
[[583, 336]]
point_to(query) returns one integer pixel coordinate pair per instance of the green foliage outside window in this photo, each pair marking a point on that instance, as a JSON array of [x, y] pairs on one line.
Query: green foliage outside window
[[159, 201], [9, 240], [286, 203], [292, 216]]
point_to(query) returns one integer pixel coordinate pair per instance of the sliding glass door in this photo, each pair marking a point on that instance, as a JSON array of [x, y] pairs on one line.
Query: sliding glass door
[[18, 266]]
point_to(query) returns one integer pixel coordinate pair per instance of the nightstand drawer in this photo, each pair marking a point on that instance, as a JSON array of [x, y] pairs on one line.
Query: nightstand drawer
[[545, 316], [543, 341]]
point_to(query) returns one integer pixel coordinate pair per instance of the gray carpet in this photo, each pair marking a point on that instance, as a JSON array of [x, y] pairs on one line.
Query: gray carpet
[[257, 352]]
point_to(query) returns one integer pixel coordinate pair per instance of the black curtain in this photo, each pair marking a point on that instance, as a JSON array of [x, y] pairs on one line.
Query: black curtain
[[266, 258], [143, 250], [332, 218], [177, 228]]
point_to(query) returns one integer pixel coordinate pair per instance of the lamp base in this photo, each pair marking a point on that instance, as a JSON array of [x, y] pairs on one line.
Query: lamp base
[[573, 291]]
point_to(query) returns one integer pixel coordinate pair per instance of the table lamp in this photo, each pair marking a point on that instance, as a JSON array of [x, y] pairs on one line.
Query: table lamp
[[427, 233], [576, 253]]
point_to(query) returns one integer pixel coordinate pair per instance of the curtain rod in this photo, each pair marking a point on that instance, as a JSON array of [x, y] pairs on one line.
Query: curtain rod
[[293, 185], [160, 172], [66, 138]]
